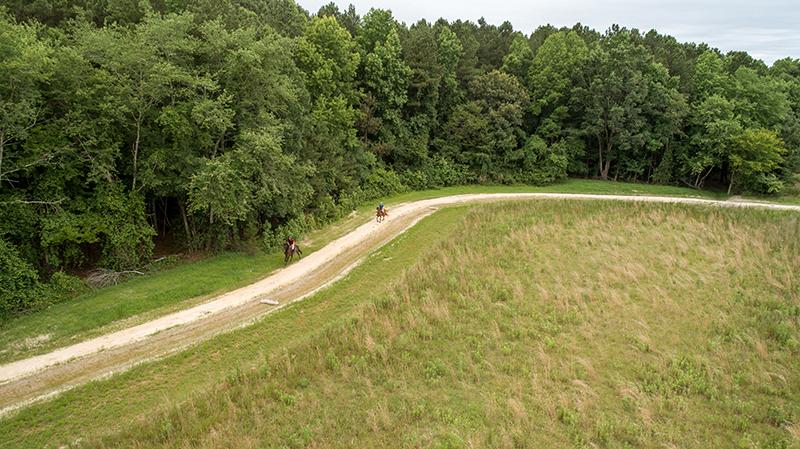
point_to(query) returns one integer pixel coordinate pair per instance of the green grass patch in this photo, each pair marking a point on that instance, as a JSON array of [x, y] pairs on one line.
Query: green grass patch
[[537, 324]]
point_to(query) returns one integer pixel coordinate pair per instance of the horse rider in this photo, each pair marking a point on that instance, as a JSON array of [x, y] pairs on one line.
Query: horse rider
[[380, 206], [291, 242]]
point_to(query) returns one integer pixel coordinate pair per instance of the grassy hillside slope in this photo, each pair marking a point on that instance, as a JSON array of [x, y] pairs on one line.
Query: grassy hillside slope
[[536, 324]]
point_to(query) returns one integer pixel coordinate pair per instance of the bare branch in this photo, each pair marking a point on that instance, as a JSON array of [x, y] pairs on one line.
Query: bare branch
[[47, 203], [689, 184], [45, 158]]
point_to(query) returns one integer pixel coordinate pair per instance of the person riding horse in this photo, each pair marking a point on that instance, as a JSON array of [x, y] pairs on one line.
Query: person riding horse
[[380, 212], [290, 248]]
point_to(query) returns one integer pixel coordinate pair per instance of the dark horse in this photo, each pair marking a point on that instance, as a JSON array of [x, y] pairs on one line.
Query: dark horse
[[289, 251]]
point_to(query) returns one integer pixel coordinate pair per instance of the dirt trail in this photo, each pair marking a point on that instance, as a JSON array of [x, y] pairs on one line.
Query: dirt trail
[[47, 374]]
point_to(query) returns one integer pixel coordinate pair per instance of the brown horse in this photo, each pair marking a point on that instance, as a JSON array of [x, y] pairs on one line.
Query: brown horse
[[380, 214], [289, 251]]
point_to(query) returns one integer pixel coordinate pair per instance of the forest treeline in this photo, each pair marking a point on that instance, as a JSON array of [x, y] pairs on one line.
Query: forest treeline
[[204, 123]]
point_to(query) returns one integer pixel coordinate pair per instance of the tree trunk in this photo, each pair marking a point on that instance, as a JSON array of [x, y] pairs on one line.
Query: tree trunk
[[219, 145], [606, 167], [600, 156], [604, 147], [185, 220], [730, 185], [154, 212], [703, 179], [166, 216], [210, 227], [2, 147], [136, 149]]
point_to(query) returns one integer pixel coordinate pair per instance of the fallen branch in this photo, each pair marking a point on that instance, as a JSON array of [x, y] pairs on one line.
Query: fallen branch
[[103, 277]]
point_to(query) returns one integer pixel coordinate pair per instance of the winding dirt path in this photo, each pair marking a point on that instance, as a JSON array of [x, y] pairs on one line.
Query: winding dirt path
[[48, 374]]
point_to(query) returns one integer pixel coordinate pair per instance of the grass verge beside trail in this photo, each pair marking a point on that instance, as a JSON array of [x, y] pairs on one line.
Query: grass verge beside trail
[[791, 198], [91, 313], [536, 324], [140, 299]]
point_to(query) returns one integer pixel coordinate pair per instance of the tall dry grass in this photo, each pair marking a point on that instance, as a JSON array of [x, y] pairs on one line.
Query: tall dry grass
[[540, 324]]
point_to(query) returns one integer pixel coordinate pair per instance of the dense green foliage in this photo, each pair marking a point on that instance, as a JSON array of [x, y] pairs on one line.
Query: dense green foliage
[[204, 123], [18, 281]]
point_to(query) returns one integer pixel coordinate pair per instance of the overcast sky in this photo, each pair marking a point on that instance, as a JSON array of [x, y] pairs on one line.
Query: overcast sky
[[768, 29]]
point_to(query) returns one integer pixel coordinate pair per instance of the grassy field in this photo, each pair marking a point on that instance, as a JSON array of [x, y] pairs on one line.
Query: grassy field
[[140, 299], [540, 324]]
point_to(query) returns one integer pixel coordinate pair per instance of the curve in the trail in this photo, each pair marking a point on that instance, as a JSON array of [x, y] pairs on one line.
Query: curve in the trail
[[19, 370]]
